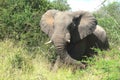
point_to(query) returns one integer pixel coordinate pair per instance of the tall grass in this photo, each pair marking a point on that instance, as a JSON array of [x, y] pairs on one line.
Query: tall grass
[[16, 63]]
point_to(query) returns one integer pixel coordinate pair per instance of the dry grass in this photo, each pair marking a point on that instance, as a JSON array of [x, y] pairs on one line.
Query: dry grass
[[17, 64]]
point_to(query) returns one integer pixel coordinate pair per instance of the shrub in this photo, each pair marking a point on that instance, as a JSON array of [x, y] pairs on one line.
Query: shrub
[[109, 18], [19, 20]]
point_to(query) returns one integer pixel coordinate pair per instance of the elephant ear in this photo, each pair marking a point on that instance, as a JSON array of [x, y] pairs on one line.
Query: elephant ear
[[47, 22], [86, 23]]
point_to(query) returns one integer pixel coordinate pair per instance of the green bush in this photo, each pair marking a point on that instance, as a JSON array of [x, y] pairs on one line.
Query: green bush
[[20, 19], [109, 18]]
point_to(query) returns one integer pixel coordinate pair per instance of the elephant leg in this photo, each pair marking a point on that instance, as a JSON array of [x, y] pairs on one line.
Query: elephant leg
[[74, 63], [66, 59]]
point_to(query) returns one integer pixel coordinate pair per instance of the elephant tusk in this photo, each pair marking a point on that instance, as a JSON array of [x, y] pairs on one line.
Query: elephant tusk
[[48, 42], [68, 41]]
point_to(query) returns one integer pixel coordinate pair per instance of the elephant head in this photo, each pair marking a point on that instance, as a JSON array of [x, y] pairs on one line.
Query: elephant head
[[67, 27]]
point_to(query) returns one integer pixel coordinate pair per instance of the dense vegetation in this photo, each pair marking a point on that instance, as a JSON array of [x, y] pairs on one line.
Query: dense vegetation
[[108, 17], [19, 19], [23, 55]]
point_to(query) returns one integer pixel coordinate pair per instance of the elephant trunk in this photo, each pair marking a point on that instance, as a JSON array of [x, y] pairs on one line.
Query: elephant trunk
[[60, 44], [59, 41]]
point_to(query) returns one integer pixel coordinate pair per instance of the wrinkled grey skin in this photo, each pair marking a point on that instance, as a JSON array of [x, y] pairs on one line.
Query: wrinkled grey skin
[[73, 34]]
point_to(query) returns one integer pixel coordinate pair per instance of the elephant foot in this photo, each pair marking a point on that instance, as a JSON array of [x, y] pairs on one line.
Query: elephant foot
[[65, 60], [74, 63], [68, 62], [77, 67]]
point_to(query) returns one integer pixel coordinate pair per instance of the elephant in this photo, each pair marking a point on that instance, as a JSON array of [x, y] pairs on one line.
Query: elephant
[[74, 34]]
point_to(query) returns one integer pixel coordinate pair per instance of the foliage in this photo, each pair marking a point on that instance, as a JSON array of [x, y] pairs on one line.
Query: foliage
[[60, 4], [20, 19], [17, 63], [108, 17]]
